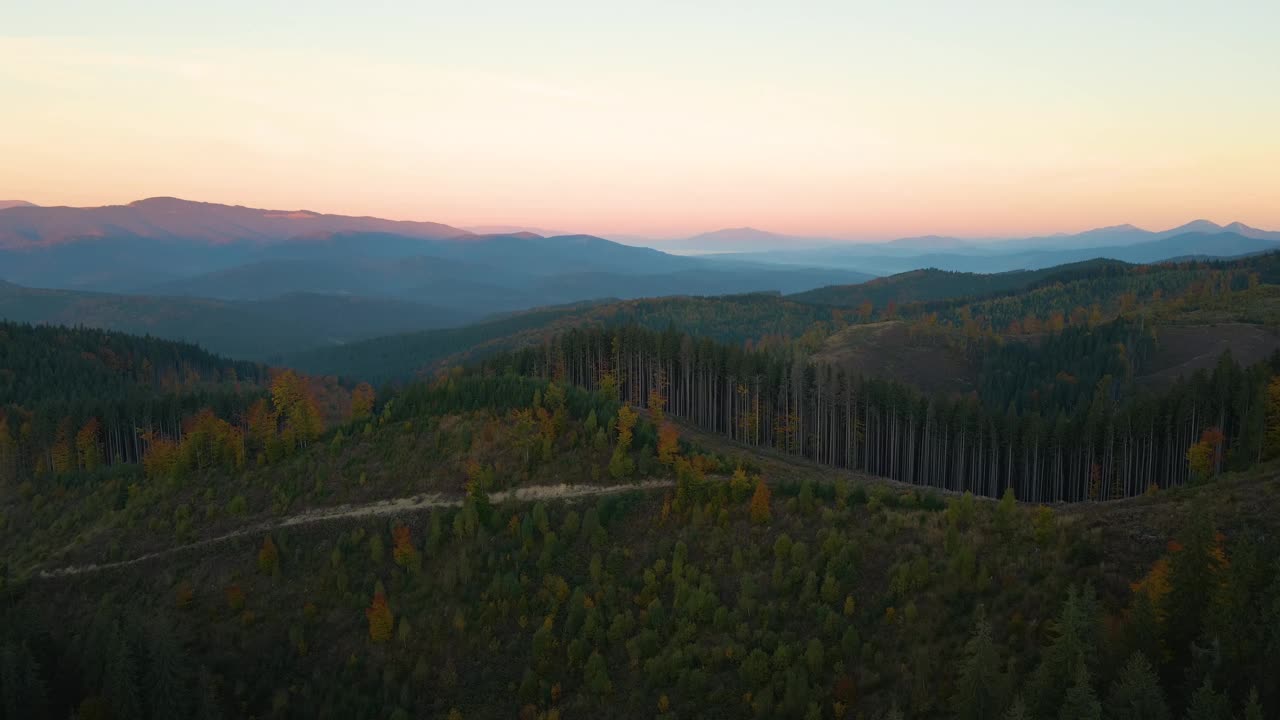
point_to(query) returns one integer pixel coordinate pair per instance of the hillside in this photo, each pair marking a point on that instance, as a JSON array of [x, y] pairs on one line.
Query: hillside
[[931, 284], [760, 319], [292, 588], [254, 329]]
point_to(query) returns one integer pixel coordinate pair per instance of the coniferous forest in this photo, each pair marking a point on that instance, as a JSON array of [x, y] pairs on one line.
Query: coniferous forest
[[1006, 504]]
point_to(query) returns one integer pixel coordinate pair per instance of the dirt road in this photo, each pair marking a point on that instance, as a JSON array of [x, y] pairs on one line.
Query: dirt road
[[379, 508]]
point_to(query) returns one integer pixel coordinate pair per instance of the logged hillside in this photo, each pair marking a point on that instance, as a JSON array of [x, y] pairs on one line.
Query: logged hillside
[[700, 595], [604, 514], [761, 319], [493, 542]]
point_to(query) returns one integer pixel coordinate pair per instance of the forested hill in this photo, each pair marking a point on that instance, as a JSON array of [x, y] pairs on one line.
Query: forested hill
[[391, 567], [250, 329], [1012, 304], [931, 284], [80, 399], [758, 318], [44, 363]]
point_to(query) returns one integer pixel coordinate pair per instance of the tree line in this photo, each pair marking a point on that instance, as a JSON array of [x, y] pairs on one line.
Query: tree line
[[1066, 422]]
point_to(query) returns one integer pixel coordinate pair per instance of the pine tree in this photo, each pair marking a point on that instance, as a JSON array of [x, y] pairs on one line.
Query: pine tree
[[1080, 702], [1136, 694], [981, 687], [1073, 650], [165, 684], [1253, 708], [120, 678], [1208, 704]]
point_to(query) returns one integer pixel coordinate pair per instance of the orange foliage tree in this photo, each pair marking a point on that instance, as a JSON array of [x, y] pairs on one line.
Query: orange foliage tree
[[761, 512], [668, 443], [403, 550], [381, 620], [88, 444]]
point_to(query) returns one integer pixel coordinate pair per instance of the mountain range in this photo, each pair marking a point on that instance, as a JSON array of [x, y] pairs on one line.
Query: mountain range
[[253, 283], [762, 245]]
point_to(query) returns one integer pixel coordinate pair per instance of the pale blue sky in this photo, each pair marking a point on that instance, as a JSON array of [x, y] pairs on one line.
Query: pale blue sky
[[662, 117]]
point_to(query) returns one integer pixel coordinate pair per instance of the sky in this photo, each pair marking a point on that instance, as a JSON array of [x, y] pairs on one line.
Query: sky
[[845, 119]]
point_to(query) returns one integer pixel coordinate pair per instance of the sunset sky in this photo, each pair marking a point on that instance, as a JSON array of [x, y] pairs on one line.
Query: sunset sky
[[850, 119]]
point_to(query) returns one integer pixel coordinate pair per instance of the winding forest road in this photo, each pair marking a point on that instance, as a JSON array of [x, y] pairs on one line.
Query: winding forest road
[[378, 508]]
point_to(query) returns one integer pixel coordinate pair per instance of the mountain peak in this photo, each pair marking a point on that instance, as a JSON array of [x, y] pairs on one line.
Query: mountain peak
[[6, 204], [1201, 226]]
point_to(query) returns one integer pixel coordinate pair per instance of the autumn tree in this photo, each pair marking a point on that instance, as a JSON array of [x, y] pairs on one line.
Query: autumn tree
[[89, 445], [268, 557], [657, 401], [262, 424], [362, 402], [760, 509], [1205, 457], [621, 464], [381, 620], [668, 443], [403, 550], [162, 457], [294, 400]]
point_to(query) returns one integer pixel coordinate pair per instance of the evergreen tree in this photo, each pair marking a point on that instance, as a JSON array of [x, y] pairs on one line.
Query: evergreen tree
[[981, 688], [165, 683], [1136, 694], [1080, 702], [1208, 704]]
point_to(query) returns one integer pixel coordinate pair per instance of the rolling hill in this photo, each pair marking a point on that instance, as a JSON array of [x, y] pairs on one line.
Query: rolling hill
[[252, 329], [764, 534], [932, 284]]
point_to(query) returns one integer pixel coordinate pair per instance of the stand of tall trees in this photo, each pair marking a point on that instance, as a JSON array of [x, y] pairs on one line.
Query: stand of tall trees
[[76, 399], [1061, 422]]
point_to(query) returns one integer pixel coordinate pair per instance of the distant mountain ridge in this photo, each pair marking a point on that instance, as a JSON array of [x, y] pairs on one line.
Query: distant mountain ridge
[[167, 218], [6, 204], [759, 243]]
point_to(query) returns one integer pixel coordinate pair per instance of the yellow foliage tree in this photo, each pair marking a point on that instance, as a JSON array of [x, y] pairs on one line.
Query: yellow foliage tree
[[268, 557], [362, 402], [761, 512], [621, 465]]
